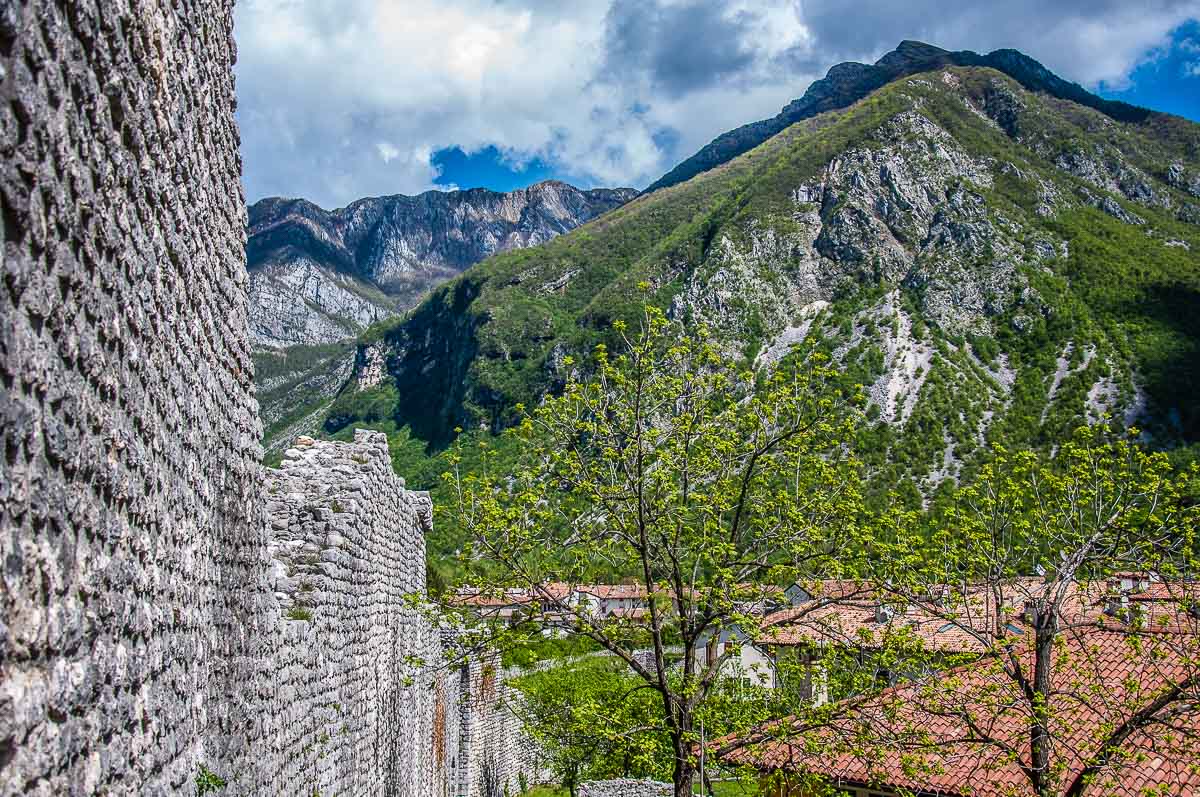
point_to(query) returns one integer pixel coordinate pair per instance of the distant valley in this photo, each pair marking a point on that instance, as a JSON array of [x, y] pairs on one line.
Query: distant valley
[[318, 278]]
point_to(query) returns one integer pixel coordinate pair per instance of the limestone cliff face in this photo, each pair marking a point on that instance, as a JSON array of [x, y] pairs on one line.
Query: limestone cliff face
[[320, 276]]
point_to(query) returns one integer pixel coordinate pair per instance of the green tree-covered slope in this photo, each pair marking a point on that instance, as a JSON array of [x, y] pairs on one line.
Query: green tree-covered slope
[[992, 263]]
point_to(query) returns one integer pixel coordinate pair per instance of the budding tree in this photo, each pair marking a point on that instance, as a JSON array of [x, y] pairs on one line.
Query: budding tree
[[1030, 559], [671, 469]]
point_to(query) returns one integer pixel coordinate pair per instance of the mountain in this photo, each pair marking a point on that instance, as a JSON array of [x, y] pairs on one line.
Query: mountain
[[993, 263], [318, 277], [848, 83]]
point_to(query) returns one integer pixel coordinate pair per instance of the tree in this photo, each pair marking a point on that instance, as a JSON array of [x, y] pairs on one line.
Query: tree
[[674, 471], [1028, 561], [592, 720]]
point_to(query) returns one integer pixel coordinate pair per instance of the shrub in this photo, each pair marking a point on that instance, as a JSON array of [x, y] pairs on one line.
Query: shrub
[[208, 781]]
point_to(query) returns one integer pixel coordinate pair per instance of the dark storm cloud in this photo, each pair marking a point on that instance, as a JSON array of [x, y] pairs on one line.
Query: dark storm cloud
[[679, 47]]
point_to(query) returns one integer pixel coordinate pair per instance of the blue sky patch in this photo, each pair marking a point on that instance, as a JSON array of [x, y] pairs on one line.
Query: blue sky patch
[[487, 168], [1169, 80]]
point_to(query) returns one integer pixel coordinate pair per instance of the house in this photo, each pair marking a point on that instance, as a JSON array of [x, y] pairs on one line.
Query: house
[[509, 606], [754, 649], [973, 738], [616, 600], [747, 662], [557, 603], [797, 642], [788, 647]]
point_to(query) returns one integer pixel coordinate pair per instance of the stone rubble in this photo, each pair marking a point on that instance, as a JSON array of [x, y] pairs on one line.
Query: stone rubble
[[625, 787]]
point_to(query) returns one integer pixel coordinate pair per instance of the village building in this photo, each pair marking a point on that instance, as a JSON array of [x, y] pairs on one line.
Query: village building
[[1124, 712]]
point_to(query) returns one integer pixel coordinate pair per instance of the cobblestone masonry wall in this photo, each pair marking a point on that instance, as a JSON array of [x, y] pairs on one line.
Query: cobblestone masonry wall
[[494, 755], [625, 788], [130, 518], [359, 704], [154, 616]]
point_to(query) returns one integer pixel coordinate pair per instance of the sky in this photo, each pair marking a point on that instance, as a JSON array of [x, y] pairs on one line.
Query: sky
[[341, 99]]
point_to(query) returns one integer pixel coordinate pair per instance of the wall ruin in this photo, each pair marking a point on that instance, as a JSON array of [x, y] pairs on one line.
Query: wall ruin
[[355, 668], [494, 755], [625, 787], [167, 606]]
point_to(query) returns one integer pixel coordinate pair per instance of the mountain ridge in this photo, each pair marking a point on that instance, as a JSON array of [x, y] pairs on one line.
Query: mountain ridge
[[850, 81], [710, 246], [990, 264], [320, 277]]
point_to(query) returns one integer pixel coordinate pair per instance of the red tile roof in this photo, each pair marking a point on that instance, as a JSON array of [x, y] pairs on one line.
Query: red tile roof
[[920, 735], [614, 591], [862, 626], [838, 588], [489, 600], [636, 613]]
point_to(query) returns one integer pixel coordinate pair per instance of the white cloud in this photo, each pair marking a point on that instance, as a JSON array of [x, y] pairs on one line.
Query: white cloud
[[387, 151], [347, 98], [338, 98]]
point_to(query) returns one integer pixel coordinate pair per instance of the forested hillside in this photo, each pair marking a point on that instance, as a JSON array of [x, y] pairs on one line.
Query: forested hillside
[[991, 263]]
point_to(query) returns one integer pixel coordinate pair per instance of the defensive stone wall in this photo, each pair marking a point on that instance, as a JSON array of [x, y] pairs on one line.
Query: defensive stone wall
[[625, 788], [495, 756], [167, 607], [358, 699], [131, 525], [362, 699]]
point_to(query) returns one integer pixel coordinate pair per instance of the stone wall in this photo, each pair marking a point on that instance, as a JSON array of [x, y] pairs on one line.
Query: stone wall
[[362, 700], [494, 755], [167, 606], [358, 703], [625, 788], [130, 519]]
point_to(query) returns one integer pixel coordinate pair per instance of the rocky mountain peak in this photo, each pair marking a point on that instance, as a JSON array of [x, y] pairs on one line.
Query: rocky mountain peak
[[319, 277], [990, 259], [911, 53]]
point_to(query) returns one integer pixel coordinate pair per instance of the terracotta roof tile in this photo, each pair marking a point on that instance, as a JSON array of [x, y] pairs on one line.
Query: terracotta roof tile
[[1102, 678]]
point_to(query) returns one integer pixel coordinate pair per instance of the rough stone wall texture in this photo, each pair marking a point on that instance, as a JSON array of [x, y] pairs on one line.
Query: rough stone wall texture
[[164, 602], [625, 788], [358, 701], [494, 754], [129, 476]]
